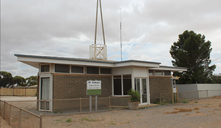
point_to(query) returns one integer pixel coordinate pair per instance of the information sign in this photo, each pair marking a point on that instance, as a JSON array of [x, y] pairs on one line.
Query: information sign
[[93, 87]]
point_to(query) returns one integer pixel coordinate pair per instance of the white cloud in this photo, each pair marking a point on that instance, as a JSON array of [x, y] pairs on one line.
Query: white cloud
[[66, 28]]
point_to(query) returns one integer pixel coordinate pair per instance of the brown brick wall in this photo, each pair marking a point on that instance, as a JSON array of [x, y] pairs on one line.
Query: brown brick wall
[[66, 86], [159, 84]]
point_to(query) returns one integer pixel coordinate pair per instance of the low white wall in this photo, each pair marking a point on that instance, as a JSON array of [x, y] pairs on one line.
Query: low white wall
[[204, 90], [213, 89], [186, 87]]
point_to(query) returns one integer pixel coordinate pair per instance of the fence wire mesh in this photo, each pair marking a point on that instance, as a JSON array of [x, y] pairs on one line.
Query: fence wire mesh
[[18, 117], [165, 98], [25, 114]]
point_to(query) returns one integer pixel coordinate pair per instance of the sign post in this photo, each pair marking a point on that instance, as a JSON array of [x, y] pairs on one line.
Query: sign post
[[93, 88], [174, 90]]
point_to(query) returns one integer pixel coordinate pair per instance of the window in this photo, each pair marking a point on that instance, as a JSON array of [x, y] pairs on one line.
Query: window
[[158, 73], [117, 85], [126, 83], [44, 68], [105, 70], [151, 73], [61, 68], [92, 70], [167, 73], [77, 69]]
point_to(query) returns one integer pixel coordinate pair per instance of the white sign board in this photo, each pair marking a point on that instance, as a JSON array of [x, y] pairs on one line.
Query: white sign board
[[93, 84], [174, 90]]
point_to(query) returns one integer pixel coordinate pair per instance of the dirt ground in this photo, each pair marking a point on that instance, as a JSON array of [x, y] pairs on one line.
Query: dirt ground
[[4, 124], [195, 114]]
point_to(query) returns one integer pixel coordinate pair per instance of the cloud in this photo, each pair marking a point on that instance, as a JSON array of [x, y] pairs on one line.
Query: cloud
[[66, 28]]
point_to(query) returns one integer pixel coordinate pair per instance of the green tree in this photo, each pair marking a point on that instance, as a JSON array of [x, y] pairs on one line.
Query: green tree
[[216, 79], [32, 80], [5, 78], [192, 51], [19, 80]]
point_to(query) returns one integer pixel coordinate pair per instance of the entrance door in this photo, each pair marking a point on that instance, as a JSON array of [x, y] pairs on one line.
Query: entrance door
[[141, 87], [44, 93]]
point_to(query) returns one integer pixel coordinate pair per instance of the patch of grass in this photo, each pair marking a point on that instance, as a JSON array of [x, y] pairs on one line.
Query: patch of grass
[[58, 120], [166, 102], [138, 115], [112, 123], [86, 119], [185, 101], [68, 120], [61, 112], [196, 102], [55, 112]]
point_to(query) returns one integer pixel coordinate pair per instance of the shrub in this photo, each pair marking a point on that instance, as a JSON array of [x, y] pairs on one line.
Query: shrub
[[135, 95], [185, 101], [68, 120]]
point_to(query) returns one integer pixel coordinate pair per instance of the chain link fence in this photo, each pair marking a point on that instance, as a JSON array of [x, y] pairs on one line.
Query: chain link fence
[[18, 117], [30, 113]]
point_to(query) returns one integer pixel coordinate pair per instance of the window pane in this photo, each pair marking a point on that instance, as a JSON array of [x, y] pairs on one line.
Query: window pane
[[44, 68], [126, 83], [167, 73], [105, 70], [77, 69], [117, 85], [44, 94], [62, 68], [158, 73], [144, 93], [150, 72], [92, 70]]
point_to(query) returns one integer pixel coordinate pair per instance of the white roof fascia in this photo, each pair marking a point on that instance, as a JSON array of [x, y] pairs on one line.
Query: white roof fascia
[[138, 64], [68, 62], [175, 69]]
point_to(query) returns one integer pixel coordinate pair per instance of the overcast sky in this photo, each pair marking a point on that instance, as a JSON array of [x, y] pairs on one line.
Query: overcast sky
[[65, 28]]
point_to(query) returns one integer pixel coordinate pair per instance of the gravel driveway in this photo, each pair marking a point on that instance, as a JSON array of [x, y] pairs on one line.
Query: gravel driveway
[[196, 114]]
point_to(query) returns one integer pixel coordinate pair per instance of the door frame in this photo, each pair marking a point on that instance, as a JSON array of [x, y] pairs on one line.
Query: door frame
[[50, 76], [141, 89]]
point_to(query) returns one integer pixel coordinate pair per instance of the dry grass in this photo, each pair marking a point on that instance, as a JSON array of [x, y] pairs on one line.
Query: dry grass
[[180, 110], [183, 110], [196, 108], [173, 112]]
